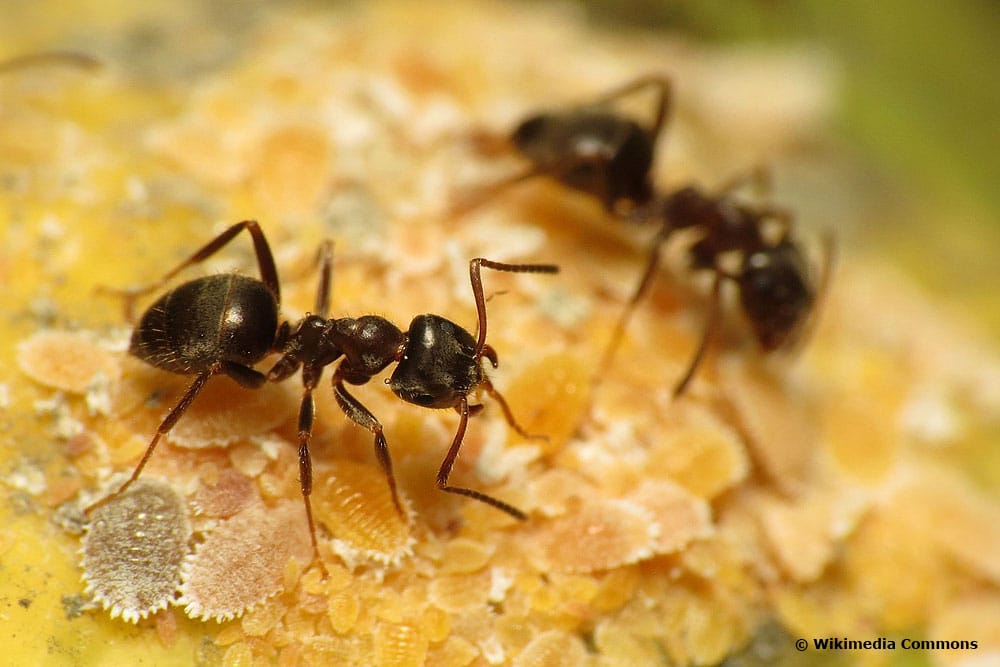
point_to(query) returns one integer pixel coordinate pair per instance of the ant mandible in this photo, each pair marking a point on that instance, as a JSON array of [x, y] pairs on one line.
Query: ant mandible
[[592, 149], [225, 324]]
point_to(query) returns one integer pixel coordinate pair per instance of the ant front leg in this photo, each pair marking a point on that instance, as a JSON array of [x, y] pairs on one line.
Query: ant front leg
[[652, 266], [265, 263], [361, 416], [444, 472], [710, 324], [507, 413], [664, 98]]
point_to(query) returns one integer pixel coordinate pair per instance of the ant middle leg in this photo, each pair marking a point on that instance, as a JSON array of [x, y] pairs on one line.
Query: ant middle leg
[[307, 411], [361, 416], [444, 472], [710, 323]]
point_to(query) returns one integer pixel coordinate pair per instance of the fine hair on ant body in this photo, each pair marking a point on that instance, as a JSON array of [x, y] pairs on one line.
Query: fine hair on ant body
[[225, 324]]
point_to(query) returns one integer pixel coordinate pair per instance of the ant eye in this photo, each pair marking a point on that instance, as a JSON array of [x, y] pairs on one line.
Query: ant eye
[[423, 399]]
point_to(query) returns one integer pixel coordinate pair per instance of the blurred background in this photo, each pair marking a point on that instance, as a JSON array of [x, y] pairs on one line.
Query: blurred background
[[915, 116], [913, 131]]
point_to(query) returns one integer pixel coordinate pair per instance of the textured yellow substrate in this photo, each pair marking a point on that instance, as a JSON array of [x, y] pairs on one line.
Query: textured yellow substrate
[[845, 494]]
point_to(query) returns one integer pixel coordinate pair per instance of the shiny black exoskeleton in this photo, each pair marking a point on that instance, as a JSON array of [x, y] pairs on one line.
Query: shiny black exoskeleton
[[777, 291], [438, 364], [593, 149], [597, 152], [225, 324]]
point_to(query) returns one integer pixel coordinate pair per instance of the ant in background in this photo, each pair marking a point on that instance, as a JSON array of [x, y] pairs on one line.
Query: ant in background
[[777, 292], [594, 150], [224, 324]]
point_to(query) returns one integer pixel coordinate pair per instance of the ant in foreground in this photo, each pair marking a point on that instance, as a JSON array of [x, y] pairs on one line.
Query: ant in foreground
[[224, 324]]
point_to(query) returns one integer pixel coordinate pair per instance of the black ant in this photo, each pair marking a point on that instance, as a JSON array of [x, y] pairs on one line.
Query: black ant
[[606, 155], [777, 293], [224, 324], [593, 149]]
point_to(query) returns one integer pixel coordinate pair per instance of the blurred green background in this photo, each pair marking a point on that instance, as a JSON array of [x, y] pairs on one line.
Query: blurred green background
[[917, 106]]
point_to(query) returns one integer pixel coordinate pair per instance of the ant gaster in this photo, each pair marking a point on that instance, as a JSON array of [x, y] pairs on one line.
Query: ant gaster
[[593, 149], [224, 324]]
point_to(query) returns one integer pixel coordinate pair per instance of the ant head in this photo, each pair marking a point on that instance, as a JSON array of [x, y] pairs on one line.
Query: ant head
[[533, 132], [439, 364], [776, 293]]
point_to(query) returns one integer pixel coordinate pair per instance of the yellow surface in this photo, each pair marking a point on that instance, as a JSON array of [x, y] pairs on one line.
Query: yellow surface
[[852, 493]]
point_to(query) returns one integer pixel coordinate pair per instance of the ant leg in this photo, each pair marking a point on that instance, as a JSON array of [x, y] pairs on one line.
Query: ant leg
[[168, 423], [710, 324], [306, 413], [444, 472], [652, 265], [663, 88], [477, 289], [829, 245], [325, 259], [243, 375], [477, 196], [265, 263], [507, 413], [41, 58], [361, 416]]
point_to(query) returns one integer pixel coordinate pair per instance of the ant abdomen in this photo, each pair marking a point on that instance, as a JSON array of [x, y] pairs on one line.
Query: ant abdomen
[[221, 318], [592, 151]]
